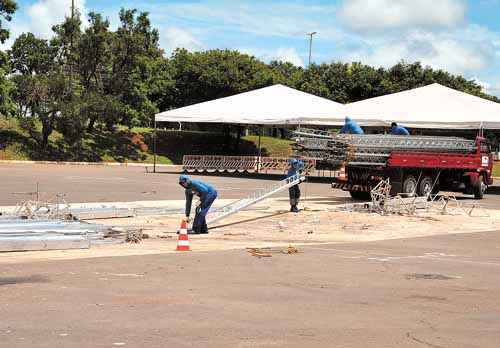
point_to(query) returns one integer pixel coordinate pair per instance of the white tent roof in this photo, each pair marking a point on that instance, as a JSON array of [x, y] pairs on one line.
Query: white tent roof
[[432, 106], [276, 104]]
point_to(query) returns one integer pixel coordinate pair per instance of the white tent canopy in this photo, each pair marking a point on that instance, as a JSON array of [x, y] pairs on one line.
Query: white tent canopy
[[274, 105], [432, 106]]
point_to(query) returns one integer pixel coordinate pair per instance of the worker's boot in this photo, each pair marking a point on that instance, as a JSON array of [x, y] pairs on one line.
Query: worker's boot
[[294, 209], [204, 229]]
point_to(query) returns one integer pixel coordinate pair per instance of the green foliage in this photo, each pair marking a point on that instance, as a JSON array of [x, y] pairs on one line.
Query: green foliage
[[496, 170], [272, 146], [7, 9], [101, 146], [202, 76], [86, 84]]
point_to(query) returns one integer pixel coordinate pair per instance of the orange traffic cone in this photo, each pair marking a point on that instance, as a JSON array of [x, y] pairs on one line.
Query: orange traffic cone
[[183, 241]]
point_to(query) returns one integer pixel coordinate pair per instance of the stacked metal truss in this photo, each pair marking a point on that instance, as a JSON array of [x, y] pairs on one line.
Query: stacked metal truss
[[372, 149]]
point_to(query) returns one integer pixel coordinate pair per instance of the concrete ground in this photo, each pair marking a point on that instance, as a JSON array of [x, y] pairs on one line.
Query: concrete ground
[[439, 291], [111, 184], [359, 279]]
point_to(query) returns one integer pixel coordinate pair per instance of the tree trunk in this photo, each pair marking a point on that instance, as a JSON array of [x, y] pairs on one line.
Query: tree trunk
[[283, 133], [90, 127], [238, 139], [227, 137], [46, 130]]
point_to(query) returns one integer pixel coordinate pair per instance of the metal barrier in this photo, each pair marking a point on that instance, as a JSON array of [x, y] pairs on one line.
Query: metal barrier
[[240, 163]]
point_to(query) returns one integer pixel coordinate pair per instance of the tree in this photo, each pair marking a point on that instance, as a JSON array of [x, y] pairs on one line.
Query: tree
[[7, 9], [202, 76], [44, 91], [7, 106], [135, 56], [93, 66], [286, 73]]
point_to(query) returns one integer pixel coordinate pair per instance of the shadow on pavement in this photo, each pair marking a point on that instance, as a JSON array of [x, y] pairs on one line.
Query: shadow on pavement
[[23, 280], [249, 220]]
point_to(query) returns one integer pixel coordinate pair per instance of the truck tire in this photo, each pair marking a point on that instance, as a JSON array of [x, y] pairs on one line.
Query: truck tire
[[409, 184], [425, 186], [479, 188]]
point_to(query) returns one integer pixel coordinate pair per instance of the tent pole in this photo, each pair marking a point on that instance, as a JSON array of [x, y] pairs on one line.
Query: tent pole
[[154, 148], [260, 150]]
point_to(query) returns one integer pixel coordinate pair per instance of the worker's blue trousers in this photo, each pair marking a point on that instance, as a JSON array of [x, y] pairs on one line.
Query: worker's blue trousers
[[200, 222]]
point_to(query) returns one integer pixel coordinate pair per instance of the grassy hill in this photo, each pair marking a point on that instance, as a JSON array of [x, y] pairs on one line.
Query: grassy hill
[[131, 145], [496, 170]]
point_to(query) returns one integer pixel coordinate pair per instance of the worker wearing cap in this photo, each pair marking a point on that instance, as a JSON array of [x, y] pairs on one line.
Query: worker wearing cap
[[294, 192], [351, 127], [398, 130], [207, 195]]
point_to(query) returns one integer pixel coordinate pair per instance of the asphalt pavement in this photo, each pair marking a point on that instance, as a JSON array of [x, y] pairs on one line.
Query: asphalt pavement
[[112, 184], [439, 292]]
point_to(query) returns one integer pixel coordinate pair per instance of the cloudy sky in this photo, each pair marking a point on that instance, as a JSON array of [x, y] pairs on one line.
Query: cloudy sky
[[461, 36]]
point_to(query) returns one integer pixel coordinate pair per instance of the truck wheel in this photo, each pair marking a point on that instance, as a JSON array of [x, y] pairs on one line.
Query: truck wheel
[[409, 184], [425, 186], [479, 188]]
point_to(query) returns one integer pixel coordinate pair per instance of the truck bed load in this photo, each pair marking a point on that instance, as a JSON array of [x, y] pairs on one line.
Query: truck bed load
[[415, 164]]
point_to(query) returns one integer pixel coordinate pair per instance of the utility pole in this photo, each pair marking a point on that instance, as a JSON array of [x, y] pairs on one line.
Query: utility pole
[[72, 9], [310, 45]]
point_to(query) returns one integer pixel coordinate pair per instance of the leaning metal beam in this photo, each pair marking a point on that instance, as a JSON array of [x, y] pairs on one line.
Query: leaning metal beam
[[254, 198]]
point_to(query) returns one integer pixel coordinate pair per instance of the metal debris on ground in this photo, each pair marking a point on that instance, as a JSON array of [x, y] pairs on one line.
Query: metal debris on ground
[[134, 236], [410, 204], [290, 250], [56, 208], [50, 225], [258, 252], [267, 252]]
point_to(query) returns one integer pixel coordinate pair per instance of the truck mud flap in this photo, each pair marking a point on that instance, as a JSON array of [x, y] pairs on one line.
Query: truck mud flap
[[350, 187]]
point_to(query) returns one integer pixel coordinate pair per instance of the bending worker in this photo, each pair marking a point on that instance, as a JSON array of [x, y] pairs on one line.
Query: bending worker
[[294, 192], [351, 127], [398, 130], [207, 195]]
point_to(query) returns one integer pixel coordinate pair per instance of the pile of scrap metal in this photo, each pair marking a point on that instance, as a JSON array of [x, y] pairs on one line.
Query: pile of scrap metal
[[18, 234], [410, 204], [385, 204], [49, 225], [370, 149]]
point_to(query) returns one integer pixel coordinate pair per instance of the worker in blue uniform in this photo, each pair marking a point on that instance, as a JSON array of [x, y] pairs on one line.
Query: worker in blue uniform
[[398, 130], [351, 127], [294, 192], [207, 195]]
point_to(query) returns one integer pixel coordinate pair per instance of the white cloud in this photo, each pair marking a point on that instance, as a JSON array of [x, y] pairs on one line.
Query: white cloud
[[367, 15], [283, 54], [285, 19], [484, 85], [463, 51], [175, 37], [289, 55], [43, 14]]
